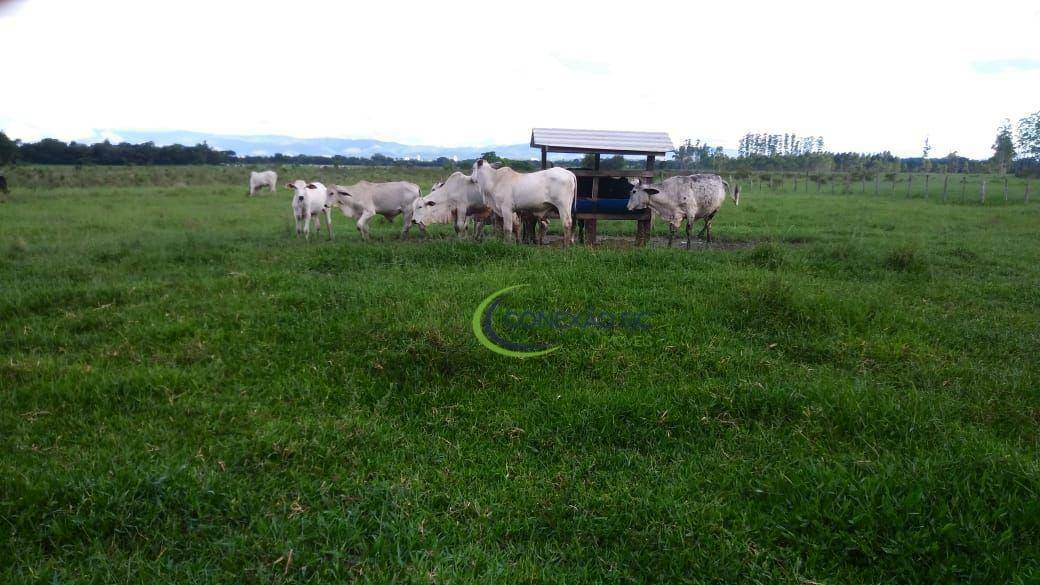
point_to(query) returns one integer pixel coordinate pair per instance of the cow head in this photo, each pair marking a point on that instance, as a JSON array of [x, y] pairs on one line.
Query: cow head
[[336, 196], [298, 188], [640, 197], [432, 209]]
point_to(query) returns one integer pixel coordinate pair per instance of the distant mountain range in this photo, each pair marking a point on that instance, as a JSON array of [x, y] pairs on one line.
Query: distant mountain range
[[269, 145]]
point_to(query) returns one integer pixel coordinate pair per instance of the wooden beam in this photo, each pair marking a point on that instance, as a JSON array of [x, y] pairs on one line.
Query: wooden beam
[[545, 158], [567, 150], [610, 173]]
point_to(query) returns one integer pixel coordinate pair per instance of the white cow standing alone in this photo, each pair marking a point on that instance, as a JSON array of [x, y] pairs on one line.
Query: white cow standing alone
[[507, 192], [262, 179], [308, 203], [684, 198], [363, 201]]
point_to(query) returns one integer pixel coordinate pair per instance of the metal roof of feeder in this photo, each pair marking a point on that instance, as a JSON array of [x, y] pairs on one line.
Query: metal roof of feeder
[[601, 141]]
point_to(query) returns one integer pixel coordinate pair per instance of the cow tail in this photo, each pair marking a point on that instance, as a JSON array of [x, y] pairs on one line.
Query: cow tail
[[735, 194]]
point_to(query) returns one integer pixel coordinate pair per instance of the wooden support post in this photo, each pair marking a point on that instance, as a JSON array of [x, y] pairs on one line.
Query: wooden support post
[[643, 226], [545, 158], [946, 182], [926, 177], [591, 224]]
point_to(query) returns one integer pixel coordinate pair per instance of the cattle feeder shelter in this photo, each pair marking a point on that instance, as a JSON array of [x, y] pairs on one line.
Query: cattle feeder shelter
[[600, 194]]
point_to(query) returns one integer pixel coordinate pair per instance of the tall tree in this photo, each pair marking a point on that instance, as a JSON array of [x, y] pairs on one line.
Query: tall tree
[[1029, 136], [8, 150], [1004, 147]]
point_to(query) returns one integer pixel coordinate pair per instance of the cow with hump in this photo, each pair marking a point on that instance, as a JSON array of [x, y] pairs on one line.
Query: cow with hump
[[364, 200], [456, 200], [508, 192], [684, 198]]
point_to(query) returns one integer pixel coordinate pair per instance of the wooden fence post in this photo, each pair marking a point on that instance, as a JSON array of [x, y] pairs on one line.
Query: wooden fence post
[[946, 181], [1005, 189], [983, 191], [926, 177]]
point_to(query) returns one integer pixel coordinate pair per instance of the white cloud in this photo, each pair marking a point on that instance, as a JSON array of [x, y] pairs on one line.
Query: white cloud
[[866, 77]]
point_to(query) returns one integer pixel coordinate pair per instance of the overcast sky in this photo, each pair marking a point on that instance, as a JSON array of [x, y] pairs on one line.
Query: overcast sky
[[882, 75]]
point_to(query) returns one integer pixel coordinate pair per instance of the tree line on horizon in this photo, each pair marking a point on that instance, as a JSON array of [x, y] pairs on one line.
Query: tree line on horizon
[[1015, 150]]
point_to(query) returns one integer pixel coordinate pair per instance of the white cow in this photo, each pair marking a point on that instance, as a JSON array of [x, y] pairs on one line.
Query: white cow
[[507, 192], [456, 200], [262, 179], [308, 203], [684, 198], [363, 201]]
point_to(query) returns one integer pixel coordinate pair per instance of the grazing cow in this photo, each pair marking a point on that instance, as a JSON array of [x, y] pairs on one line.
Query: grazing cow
[[309, 203], [684, 198], [262, 179], [3, 185], [507, 192], [365, 200], [456, 199]]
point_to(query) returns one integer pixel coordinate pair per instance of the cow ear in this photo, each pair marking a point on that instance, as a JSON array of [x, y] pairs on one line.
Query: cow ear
[[651, 191], [497, 165], [480, 162]]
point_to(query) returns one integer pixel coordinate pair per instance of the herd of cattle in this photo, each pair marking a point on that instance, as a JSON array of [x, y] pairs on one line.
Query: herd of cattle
[[496, 195]]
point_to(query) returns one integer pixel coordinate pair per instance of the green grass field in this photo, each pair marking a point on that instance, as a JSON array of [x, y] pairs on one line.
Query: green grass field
[[190, 394]]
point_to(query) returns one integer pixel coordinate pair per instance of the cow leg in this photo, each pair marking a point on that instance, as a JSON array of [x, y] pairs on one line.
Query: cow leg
[[706, 230], [460, 224], [507, 227], [328, 222], [689, 233], [299, 229], [568, 223], [362, 223], [671, 233]]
